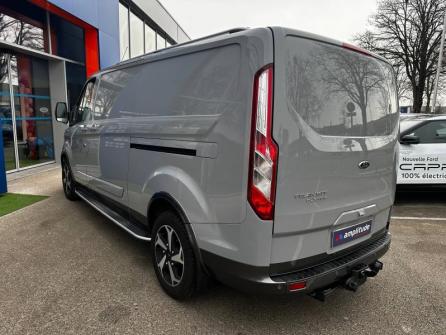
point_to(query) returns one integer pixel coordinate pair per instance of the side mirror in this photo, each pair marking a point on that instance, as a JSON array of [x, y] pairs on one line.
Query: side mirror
[[61, 112], [409, 139]]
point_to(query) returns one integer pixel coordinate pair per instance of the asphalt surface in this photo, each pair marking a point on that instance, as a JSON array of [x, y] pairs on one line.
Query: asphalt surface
[[65, 269]]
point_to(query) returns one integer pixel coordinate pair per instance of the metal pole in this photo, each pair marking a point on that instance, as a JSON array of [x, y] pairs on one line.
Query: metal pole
[[440, 62]]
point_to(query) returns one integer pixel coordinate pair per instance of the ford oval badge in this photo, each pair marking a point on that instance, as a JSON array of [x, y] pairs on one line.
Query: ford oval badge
[[364, 164]]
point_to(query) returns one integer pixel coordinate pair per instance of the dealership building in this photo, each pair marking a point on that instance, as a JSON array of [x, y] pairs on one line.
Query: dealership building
[[47, 50]]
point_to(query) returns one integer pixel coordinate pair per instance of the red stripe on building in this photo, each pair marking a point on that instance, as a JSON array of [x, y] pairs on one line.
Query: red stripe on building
[[91, 34]]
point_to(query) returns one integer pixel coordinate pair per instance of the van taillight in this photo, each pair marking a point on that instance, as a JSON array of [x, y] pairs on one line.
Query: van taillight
[[264, 151]]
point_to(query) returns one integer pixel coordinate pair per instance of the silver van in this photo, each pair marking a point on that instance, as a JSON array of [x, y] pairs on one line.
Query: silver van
[[264, 158]]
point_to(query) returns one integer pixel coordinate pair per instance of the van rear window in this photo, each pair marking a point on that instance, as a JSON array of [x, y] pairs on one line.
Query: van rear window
[[339, 92]]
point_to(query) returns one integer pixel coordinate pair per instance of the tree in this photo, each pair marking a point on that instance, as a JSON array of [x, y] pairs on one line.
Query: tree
[[354, 76], [408, 34]]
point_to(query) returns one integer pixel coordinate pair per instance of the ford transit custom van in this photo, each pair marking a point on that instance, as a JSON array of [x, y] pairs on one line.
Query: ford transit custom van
[[264, 158]]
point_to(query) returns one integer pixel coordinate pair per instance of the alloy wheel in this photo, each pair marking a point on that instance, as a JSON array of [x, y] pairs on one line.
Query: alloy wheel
[[66, 178], [169, 255]]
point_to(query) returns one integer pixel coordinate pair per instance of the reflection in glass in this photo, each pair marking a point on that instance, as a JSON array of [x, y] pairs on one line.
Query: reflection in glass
[[67, 39], [32, 110], [340, 92], [85, 108], [432, 132], [110, 86], [6, 126], [136, 36], [150, 39], [123, 32], [75, 81], [19, 32]]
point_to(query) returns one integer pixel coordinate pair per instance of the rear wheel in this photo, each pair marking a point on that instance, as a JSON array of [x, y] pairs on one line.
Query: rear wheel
[[68, 182], [173, 258]]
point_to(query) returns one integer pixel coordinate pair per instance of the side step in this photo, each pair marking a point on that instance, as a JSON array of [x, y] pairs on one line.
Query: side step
[[118, 219]]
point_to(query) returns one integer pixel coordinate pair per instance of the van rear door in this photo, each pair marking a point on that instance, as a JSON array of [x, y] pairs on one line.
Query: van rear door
[[336, 124]]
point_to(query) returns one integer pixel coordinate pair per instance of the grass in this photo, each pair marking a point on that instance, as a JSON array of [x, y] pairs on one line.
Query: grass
[[11, 202]]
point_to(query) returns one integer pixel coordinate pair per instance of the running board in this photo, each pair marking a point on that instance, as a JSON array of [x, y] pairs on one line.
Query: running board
[[116, 218]]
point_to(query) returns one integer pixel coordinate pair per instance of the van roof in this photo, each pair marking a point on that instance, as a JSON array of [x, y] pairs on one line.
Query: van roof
[[227, 34]]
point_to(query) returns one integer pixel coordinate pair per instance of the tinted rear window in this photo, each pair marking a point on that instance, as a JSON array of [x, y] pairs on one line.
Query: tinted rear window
[[340, 92]]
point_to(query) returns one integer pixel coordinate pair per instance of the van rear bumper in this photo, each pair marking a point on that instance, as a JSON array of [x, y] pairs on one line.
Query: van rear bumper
[[255, 279]]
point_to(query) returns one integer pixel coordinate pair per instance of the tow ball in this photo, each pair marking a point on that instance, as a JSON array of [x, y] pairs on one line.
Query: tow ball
[[360, 274]]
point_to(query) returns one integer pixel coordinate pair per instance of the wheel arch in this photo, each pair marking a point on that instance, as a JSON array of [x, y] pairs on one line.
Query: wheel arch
[[163, 201]]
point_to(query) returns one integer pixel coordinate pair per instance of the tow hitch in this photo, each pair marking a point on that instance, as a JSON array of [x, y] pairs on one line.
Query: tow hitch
[[360, 274]]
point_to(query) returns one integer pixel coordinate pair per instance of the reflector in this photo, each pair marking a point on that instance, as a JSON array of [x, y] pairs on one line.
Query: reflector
[[297, 286]]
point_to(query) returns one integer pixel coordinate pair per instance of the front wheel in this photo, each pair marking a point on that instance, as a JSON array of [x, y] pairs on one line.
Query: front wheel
[[172, 256], [68, 181]]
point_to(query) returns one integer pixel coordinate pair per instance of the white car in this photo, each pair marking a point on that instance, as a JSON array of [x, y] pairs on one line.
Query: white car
[[422, 157]]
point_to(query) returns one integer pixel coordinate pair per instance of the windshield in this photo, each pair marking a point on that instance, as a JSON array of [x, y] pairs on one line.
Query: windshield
[[407, 124]]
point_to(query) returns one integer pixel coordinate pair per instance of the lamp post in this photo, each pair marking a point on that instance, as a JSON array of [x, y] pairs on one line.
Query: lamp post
[[440, 63]]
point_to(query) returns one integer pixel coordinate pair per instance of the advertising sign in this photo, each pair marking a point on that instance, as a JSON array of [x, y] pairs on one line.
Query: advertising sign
[[422, 164]]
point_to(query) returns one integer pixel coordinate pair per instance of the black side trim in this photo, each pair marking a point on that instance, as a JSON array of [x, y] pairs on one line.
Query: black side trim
[[169, 150], [127, 213]]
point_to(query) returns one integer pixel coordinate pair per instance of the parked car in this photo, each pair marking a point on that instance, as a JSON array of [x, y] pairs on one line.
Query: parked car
[[265, 158], [422, 150]]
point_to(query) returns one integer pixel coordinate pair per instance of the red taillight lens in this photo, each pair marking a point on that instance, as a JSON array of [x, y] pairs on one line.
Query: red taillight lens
[[293, 287], [264, 151], [356, 49]]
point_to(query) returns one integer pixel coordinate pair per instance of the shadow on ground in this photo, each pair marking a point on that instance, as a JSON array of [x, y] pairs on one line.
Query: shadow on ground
[[420, 195]]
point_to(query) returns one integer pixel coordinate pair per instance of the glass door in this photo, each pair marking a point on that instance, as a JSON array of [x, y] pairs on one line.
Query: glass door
[[29, 113], [7, 120]]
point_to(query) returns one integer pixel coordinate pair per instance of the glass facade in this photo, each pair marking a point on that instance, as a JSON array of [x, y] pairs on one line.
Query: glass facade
[[67, 39], [124, 43], [25, 101], [26, 111], [21, 24], [160, 42], [6, 120], [150, 39], [136, 35], [76, 78]]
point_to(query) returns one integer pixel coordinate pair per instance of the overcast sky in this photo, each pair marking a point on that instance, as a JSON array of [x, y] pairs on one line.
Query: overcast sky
[[339, 19]]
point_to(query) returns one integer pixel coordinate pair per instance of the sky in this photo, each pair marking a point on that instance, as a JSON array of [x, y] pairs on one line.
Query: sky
[[338, 19]]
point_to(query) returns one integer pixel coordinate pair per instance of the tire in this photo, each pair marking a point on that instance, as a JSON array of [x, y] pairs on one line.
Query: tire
[[174, 262], [68, 183]]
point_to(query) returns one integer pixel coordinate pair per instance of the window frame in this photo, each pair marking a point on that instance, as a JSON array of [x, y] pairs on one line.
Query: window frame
[[134, 16], [127, 8], [147, 25], [420, 125], [132, 9], [74, 114]]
